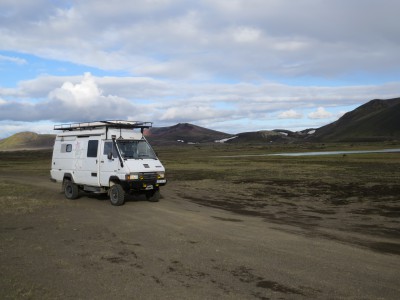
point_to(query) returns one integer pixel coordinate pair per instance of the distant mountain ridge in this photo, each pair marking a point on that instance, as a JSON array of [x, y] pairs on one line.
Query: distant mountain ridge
[[376, 120], [184, 133]]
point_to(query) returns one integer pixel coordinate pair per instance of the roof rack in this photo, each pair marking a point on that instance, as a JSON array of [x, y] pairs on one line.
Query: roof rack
[[99, 124]]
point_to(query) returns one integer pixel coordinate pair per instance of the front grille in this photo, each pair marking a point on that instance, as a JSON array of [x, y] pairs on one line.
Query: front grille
[[148, 176]]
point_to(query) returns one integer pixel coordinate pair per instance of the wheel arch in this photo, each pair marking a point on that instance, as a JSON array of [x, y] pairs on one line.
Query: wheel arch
[[68, 176], [113, 180]]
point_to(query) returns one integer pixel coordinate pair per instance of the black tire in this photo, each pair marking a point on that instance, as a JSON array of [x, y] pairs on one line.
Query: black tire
[[153, 196], [71, 190], [117, 195]]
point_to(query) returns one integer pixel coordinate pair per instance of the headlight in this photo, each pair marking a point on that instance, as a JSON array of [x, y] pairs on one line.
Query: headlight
[[160, 175], [133, 176]]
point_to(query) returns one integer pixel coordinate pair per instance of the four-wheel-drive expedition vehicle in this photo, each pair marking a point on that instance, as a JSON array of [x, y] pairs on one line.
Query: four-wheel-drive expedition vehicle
[[106, 157]]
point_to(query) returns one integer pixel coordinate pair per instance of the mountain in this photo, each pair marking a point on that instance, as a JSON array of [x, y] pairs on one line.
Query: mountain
[[376, 120], [183, 133], [27, 140]]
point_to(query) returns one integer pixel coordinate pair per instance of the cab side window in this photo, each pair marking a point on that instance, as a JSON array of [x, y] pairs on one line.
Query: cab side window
[[108, 148]]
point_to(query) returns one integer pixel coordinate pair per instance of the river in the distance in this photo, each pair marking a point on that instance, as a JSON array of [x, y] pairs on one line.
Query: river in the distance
[[318, 153]]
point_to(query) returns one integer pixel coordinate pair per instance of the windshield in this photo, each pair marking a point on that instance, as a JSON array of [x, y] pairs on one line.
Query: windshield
[[135, 149]]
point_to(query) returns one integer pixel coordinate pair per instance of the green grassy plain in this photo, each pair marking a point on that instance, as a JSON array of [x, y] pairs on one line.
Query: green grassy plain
[[352, 193], [196, 162], [35, 162]]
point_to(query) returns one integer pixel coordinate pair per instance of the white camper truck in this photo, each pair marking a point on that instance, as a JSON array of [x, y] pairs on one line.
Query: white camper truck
[[106, 157]]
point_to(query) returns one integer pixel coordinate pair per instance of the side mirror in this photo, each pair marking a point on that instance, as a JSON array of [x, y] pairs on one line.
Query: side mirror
[[109, 155]]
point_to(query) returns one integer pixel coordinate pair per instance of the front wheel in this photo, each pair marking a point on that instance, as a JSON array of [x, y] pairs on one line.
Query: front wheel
[[153, 196], [117, 195], [71, 190]]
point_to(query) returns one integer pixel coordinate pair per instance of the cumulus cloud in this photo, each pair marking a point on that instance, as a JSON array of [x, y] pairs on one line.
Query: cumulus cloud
[[70, 102], [7, 128], [87, 97], [12, 59], [246, 34], [320, 113], [194, 113], [239, 39], [290, 114], [85, 101], [209, 61], [82, 95]]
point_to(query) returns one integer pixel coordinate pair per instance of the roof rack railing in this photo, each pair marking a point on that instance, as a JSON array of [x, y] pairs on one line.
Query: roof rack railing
[[99, 124]]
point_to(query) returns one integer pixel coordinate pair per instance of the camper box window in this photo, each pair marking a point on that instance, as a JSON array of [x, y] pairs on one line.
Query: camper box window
[[66, 148], [92, 148]]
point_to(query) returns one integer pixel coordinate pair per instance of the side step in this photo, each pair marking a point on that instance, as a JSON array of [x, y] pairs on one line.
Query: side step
[[94, 189]]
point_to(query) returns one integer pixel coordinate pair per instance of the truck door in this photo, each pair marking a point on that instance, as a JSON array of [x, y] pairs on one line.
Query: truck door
[[87, 162], [108, 167]]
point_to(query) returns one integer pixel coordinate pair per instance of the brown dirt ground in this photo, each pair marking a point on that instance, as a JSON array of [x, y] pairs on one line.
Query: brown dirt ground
[[230, 240]]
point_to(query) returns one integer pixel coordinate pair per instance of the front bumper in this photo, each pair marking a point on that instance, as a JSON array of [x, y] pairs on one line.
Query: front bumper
[[143, 185]]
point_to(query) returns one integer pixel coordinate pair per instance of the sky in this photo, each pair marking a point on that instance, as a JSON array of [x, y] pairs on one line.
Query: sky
[[227, 65]]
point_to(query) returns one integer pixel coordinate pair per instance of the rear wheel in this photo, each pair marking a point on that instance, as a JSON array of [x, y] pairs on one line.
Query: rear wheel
[[71, 190], [117, 195]]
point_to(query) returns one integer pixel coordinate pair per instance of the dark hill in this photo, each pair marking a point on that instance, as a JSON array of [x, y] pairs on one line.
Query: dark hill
[[183, 133], [377, 120]]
